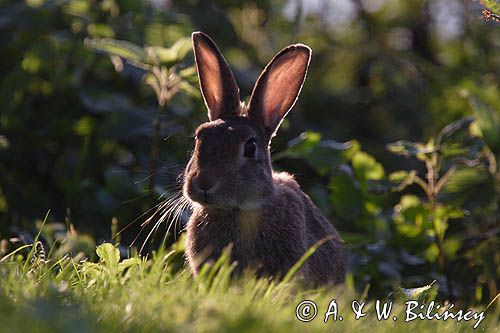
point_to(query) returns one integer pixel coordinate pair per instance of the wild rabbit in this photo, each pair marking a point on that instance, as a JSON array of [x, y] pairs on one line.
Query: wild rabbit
[[236, 196]]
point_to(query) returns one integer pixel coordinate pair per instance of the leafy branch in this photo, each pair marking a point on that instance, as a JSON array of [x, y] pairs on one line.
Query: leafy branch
[[163, 74], [434, 154]]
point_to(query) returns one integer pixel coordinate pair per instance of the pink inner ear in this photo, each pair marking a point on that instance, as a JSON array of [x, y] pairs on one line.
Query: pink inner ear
[[283, 84], [278, 87], [217, 83], [210, 77]]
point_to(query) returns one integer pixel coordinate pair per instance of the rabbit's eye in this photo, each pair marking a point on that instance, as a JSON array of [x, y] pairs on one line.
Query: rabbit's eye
[[250, 148]]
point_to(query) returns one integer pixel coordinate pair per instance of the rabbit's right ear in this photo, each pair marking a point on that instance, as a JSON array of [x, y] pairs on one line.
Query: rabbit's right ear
[[217, 83], [278, 87]]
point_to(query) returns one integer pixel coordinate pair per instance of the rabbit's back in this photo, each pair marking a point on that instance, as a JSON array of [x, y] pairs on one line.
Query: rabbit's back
[[327, 264]]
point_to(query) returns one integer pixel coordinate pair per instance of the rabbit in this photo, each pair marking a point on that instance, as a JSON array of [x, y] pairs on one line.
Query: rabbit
[[237, 199]]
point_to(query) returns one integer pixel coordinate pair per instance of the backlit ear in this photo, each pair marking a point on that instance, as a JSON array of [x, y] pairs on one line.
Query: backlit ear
[[278, 87], [217, 83]]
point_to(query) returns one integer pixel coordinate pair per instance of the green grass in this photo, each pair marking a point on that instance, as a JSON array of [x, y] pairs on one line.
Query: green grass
[[137, 295]]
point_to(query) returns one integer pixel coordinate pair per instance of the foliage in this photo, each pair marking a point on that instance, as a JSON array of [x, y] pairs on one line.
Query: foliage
[[400, 150], [405, 231]]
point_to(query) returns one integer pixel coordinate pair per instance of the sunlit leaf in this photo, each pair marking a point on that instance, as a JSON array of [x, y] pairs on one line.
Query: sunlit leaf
[[432, 252], [100, 30], [401, 179], [109, 255], [121, 48], [84, 126], [411, 217], [440, 219], [366, 167], [188, 72], [171, 55], [408, 148], [451, 246], [420, 293], [127, 263]]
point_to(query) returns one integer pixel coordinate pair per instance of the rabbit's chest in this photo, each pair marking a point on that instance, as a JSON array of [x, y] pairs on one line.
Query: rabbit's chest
[[257, 241], [243, 231]]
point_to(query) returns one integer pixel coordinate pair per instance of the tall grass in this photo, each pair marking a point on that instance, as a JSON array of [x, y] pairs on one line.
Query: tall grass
[[138, 295]]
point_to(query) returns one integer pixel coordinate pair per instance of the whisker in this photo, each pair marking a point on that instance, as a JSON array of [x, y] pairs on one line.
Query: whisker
[[180, 212], [136, 198], [175, 213], [164, 205], [165, 210], [135, 220]]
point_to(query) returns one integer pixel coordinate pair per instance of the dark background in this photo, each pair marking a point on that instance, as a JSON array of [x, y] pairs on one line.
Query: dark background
[[79, 125]]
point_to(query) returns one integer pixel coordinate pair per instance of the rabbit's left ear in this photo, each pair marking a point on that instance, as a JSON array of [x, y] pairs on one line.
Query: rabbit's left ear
[[218, 86], [278, 87]]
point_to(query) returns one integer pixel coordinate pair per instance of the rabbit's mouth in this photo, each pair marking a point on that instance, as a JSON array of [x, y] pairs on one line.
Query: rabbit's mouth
[[219, 197], [203, 196]]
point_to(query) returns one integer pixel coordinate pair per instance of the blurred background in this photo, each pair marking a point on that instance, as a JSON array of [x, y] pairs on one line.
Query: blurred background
[[396, 135]]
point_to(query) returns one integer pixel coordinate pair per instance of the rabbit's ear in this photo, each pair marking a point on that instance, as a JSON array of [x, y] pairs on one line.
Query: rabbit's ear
[[217, 83], [278, 86]]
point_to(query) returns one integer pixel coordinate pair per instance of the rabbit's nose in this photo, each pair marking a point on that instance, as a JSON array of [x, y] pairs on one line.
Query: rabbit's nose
[[208, 184]]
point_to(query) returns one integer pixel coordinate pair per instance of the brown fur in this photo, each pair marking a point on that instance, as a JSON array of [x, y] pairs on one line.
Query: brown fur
[[237, 199]]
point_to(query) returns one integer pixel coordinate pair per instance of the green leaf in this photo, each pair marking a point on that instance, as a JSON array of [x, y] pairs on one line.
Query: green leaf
[[451, 246], [301, 146], [84, 126], [411, 217], [442, 214], [151, 80], [463, 179], [366, 167], [471, 186], [100, 30], [92, 270], [432, 252], [407, 148], [401, 179], [321, 155], [127, 50], [169, 56], [420, 294], [452, 128], [109, 255], [128, 263], [188, 72], [346, 197], [328, 154]]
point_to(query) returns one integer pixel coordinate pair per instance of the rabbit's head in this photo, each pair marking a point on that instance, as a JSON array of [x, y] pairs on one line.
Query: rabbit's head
[[231, 164]]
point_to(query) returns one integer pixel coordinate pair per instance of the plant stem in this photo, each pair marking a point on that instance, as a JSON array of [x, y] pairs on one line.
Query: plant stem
[[432, 179]]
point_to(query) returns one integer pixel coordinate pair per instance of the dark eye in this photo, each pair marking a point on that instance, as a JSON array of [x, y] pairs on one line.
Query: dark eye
[[250, 148]]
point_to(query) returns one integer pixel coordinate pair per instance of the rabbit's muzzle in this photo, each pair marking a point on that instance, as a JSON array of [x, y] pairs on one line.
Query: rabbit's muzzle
[[202, 188], [205, 183]]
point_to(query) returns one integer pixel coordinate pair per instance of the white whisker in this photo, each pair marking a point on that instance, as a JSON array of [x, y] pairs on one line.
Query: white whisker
[[170, 209]]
